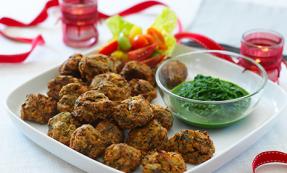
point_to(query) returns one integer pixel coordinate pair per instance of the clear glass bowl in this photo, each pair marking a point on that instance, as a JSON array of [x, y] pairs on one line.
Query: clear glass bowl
[[215, 114]]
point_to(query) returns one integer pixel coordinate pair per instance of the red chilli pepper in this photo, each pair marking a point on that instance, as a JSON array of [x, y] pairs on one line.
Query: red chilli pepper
[[154, 61], [109, 48], [142, 53]]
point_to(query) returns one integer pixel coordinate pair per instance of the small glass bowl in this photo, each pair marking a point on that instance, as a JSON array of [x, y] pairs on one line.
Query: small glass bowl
[[214, 114]]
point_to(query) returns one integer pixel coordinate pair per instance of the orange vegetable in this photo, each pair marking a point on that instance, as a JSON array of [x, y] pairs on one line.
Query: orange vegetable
[[139, 41], [149, 38], [158, 38]]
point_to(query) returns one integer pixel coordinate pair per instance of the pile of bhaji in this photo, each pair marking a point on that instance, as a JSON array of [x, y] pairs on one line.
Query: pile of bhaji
[[101, 106], [99, 109]]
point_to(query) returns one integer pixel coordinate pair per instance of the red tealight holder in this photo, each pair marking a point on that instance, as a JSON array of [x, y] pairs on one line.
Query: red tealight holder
[[79, 21], [266, 48]]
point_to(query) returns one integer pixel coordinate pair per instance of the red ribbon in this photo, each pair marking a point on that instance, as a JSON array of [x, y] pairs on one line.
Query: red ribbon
[[203, 41], [268, 157], [16, 58], [43, 15]]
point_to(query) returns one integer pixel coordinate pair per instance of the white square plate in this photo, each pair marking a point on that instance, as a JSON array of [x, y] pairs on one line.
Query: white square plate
[[229, 141]]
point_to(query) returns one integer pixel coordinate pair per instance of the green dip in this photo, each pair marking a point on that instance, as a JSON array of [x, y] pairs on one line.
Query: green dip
[[207, 88]]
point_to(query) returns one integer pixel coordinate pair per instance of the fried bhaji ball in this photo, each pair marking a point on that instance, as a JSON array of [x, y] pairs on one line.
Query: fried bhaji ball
[[61, 127], [112, 133], [73, 89], [174, 72], [137, 70], [163, 162], [68, 96], [194, 146], [56, 84], [113, 85], [70, 66], [144, 88], [162, 115], [66, 103], [149, 137], [88, 141], [122, 157], [38, 108], [133, 112], [119, 64], [95, 64], [92, 106]]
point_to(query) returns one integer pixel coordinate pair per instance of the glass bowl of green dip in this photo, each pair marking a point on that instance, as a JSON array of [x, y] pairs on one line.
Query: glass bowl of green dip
[[211, 88]]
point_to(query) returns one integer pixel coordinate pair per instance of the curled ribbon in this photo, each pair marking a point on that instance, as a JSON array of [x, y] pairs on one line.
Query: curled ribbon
[[268, 157], [16, 58], [203, 41], [43, 15], [39, 40]]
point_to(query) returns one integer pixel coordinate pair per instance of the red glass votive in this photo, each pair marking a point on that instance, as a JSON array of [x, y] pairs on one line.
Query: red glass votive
[[79, 22], [266, 48]]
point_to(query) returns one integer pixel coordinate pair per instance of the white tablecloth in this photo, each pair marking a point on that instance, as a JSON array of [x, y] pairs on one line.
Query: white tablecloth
[[18, 154]]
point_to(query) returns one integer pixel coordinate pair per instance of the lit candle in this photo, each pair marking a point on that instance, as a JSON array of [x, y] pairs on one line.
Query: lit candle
[[266, 48], [79, 19]]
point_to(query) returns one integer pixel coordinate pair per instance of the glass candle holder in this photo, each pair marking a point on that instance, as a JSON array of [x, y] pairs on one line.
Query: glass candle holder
[[79, 22], [266, 48]]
